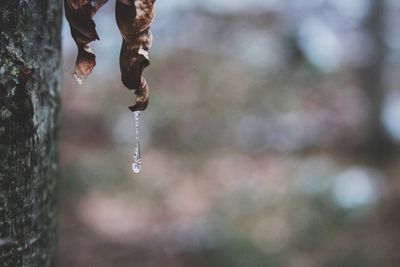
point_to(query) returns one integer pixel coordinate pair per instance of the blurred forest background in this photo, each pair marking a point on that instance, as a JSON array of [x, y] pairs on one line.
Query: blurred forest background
[[271, 139]]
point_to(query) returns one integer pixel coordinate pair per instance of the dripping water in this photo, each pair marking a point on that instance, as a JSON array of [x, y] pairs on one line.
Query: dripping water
[[78, 78], [137, 158]]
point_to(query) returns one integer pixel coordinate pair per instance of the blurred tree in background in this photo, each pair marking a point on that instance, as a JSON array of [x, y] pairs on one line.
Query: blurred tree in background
[[271, 139]]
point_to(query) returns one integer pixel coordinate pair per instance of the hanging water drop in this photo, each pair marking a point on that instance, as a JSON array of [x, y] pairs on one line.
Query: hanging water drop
[[78, 78], [137, 158]]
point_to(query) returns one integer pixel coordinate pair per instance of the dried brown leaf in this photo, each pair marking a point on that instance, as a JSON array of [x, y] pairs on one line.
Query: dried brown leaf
[[134, 18], [79, 14]]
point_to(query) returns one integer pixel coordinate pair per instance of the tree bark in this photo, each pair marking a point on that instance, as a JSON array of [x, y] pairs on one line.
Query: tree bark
[[29, 97]]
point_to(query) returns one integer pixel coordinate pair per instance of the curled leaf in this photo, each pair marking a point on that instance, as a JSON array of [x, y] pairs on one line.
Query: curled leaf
[[134, 18], [79, 14]]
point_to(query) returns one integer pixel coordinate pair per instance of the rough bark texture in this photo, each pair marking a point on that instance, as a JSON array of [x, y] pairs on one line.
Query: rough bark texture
[[29, 85]]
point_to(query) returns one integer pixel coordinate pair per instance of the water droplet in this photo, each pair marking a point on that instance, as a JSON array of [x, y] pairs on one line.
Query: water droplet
[[137, 157], [78, 78]]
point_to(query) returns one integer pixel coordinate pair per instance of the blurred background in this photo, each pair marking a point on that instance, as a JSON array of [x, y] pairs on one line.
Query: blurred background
[[271, 139]]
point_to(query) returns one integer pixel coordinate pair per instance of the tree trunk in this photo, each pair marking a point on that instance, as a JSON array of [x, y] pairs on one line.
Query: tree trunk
[[29, 90], [378, 144]]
